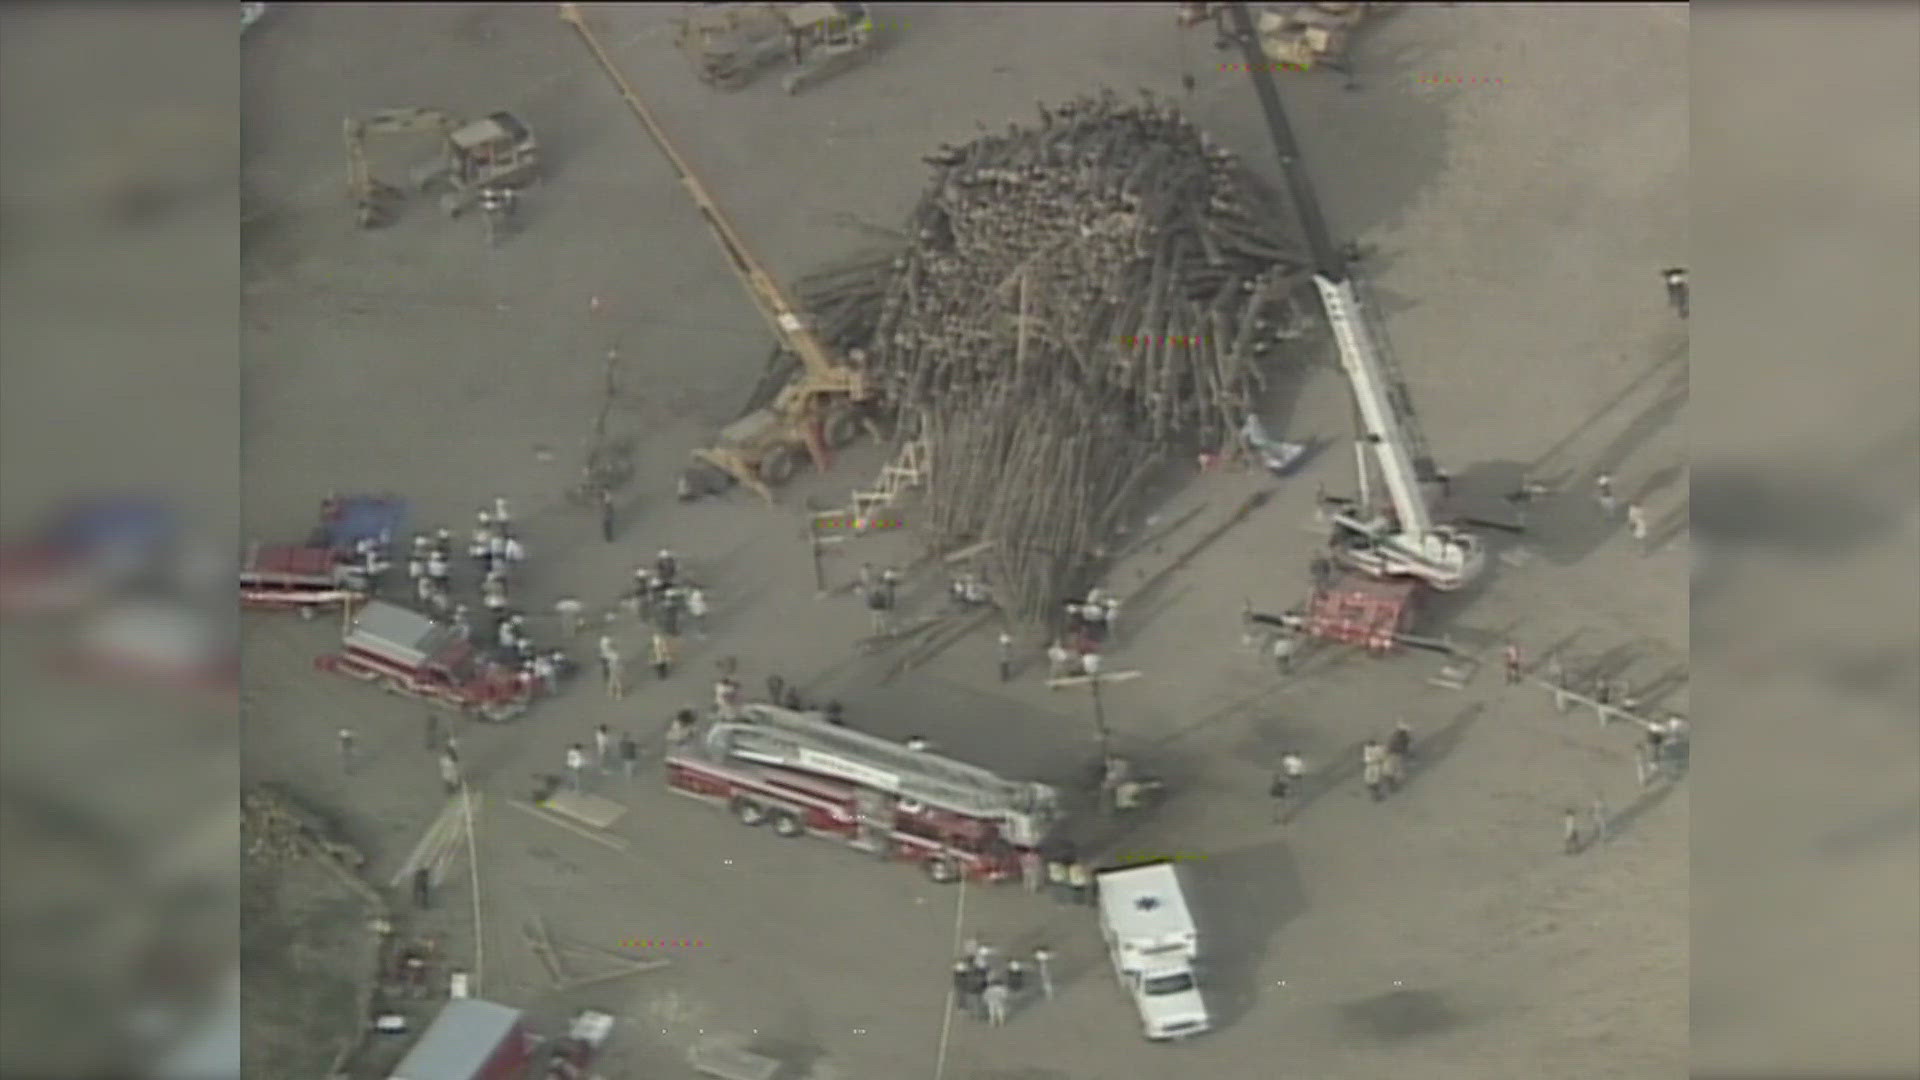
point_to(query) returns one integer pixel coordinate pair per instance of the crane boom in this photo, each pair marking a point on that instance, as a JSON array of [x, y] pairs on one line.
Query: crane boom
[[787, 326], [1409, 544], [1383, 431]]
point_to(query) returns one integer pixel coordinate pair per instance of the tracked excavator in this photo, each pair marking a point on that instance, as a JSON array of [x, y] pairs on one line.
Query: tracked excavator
[[824, 407]]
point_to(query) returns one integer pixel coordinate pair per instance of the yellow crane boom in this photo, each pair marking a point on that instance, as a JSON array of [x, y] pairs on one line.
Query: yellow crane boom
[[787, 326]]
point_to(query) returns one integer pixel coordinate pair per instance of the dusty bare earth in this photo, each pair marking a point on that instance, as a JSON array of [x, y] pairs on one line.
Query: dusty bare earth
[[1519, 226]]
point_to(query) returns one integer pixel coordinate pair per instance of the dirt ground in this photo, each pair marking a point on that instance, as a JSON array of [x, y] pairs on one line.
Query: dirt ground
[[304, 956], [1517, 229]]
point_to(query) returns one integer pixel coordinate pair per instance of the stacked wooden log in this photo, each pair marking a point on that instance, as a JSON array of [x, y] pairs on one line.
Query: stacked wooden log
[[1078, 300]]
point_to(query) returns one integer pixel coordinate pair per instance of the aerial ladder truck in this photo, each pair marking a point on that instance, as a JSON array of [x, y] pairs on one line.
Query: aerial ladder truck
[[822, 408], [1401, 540], [804, 776]]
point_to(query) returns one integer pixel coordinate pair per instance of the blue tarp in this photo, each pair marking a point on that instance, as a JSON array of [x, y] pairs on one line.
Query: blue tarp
[[117, 523], [364, 517]]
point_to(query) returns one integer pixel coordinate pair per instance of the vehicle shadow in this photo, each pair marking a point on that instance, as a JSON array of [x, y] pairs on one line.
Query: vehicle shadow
[[1240, 900]]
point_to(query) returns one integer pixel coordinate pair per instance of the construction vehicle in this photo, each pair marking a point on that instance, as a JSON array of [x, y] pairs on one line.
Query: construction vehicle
[[807, 777], [497, 151], [729, 44], [827, 40], [825, 406], [1401, 540], [1294, 37]]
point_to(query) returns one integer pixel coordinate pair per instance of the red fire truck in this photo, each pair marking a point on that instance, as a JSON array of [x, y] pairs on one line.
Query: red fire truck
[[803, 776], [407, 653]]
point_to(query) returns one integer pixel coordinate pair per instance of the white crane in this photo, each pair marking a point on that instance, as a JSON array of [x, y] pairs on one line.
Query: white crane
[[1404, 542]]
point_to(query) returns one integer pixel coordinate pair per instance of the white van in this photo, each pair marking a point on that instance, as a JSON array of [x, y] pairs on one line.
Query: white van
[[1153, 942]]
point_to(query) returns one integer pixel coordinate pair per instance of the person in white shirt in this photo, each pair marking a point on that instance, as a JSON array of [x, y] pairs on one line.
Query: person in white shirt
[[576, 764]]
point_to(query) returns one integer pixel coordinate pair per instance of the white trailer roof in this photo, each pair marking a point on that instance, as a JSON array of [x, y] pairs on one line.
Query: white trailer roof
[[459, 1042], [1145, 902], [393, 631]]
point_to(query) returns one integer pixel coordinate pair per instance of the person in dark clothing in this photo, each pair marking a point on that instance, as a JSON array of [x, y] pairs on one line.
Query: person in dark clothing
[[606, 515], [791, 700], [776, 689], [1676, 279], [836, 714], [963, 985], [422, 888], [629, 753], [977, 978]]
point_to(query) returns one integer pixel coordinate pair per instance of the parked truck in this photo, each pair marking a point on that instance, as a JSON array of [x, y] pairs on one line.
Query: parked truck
[[1154, 944]]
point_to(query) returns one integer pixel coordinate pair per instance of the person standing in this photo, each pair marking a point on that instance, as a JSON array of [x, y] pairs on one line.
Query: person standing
[[1637, 522], [1570, 830], [547, 672], [1080, 880], [681, 728], [726, 698], [422, 887], [1057, 883], [449, 773], [1033, 870], [576, 765], [1512, 657], [346, 750], [629, 753], [1292, 768], [602, 747], [609, 659], [1373, 760], [664, 652], [433, 731], [976, 992], [1677, 291], [1600, 818], [877, 610], [996, 999], [606, 515], [1603, 494], [1043, 965], [1059, 660], [1016, 982], [1006, 656], [1285, 646], [572, 616], [963, 986], [697, 611]]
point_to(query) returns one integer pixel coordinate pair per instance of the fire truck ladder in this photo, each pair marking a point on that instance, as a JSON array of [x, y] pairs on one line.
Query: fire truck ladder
[[776, 736]]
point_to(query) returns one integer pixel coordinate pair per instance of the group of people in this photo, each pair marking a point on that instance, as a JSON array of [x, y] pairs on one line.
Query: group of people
[[989, 990], [1383, 766], [665, 602]]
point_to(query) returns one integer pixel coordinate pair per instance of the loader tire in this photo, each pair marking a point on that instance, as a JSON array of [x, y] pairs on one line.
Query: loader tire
[[842, 427], [779, 465]]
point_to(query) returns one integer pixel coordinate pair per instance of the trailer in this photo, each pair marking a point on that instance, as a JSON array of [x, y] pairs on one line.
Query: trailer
[[471, 1040], [805, 777]]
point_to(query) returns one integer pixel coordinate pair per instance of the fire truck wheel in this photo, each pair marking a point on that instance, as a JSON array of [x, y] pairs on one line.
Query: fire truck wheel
[[941, 871], [787, 824], [749, 812]]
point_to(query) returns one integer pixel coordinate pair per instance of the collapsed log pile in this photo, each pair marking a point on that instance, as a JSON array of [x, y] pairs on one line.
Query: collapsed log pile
[[275, 830], [1077, 300]]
